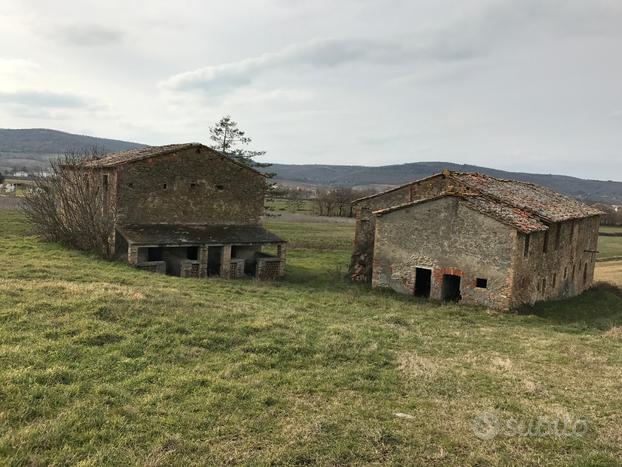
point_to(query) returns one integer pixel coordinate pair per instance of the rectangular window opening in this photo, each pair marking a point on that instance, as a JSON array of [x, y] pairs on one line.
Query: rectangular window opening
[[164, 186], [193, 186], [481, 283], [554, 279]]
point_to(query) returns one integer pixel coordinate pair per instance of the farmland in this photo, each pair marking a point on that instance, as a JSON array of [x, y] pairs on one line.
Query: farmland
[[105, 364]]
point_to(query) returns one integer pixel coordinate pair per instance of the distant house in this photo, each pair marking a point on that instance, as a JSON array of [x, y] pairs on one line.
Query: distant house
[[21, 174], [188, 210], [476, 239]]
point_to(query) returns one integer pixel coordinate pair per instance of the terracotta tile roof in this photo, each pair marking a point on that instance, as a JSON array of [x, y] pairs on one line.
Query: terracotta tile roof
[[164, 234], [546, 204], [123, 157], [521, 220], [133, 155], [526, 206]]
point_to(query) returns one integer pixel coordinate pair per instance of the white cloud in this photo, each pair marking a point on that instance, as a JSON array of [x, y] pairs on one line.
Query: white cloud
[[87, 35]]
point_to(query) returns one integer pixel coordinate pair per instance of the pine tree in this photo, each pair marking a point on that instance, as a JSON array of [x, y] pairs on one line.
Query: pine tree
[[230, 140]]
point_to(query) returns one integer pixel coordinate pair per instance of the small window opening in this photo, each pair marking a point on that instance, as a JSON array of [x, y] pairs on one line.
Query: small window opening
[[105, 183], [573, 268], [527, 241], [554, 279], [544, 285], [193, 186], [164, 186], [481, 283], [131, 185], [545, 246], [585, 274], [565, 272], [220, 187]]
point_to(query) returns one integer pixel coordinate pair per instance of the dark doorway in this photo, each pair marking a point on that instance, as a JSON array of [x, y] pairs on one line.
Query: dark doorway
[[214, 260], [451, 288], [154, 254], [423, 282]]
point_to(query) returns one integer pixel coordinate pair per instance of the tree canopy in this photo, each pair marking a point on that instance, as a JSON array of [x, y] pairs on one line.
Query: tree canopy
[[227, 138]]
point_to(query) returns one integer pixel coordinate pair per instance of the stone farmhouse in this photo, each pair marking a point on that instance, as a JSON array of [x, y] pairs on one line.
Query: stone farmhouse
[[189, 211], [476, 239]]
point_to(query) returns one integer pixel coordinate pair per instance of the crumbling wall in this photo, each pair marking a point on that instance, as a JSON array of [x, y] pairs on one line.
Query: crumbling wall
[[362, 255], [449, 238], [194, 186], [564, 268]]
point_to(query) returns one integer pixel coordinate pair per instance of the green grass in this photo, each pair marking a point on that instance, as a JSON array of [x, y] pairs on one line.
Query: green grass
[[277, 205], [104, 364], [609, 248], [611, 228]]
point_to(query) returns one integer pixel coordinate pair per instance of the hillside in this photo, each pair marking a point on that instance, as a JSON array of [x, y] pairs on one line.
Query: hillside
[[105, 364], [31, 148], [343, 175]]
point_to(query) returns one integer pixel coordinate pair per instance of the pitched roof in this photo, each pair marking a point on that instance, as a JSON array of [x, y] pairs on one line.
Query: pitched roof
[[515, 201], [521, 220], [546, 204], [164, 234], [139, 154]]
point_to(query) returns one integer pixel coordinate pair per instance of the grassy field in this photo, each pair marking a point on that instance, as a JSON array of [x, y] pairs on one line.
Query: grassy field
[[103, 364], [611, 229], [277, 205], [609, 248]]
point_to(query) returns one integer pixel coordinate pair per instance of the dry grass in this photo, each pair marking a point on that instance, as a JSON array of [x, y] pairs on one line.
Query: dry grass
[[609, 271]]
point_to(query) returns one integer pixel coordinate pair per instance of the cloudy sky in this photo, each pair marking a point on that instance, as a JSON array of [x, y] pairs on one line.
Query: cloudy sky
[[530, 85]]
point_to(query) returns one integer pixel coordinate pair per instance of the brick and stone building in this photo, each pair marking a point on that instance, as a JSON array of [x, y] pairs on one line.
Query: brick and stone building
[[476, 239], [189, 211]]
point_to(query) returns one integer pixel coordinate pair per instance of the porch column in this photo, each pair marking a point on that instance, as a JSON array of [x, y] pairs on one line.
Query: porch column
[[225, 262], [281, 251], [203, 255], [132, 254]]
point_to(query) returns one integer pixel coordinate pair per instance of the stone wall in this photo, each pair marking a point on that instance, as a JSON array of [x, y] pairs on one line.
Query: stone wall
[[362, 256], [563, 269], [447, 237], [194, 186]]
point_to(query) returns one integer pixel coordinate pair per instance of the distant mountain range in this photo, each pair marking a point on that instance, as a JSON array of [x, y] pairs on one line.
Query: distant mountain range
[[609, 192], [31, 148]]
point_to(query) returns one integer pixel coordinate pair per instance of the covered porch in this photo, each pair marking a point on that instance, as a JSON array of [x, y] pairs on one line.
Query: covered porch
[[204, 251]]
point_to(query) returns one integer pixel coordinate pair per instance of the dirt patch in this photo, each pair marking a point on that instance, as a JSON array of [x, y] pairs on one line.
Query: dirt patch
[[609, 271]]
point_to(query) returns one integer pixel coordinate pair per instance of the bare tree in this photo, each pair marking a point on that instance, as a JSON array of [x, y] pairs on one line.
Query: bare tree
[[72, 205]]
